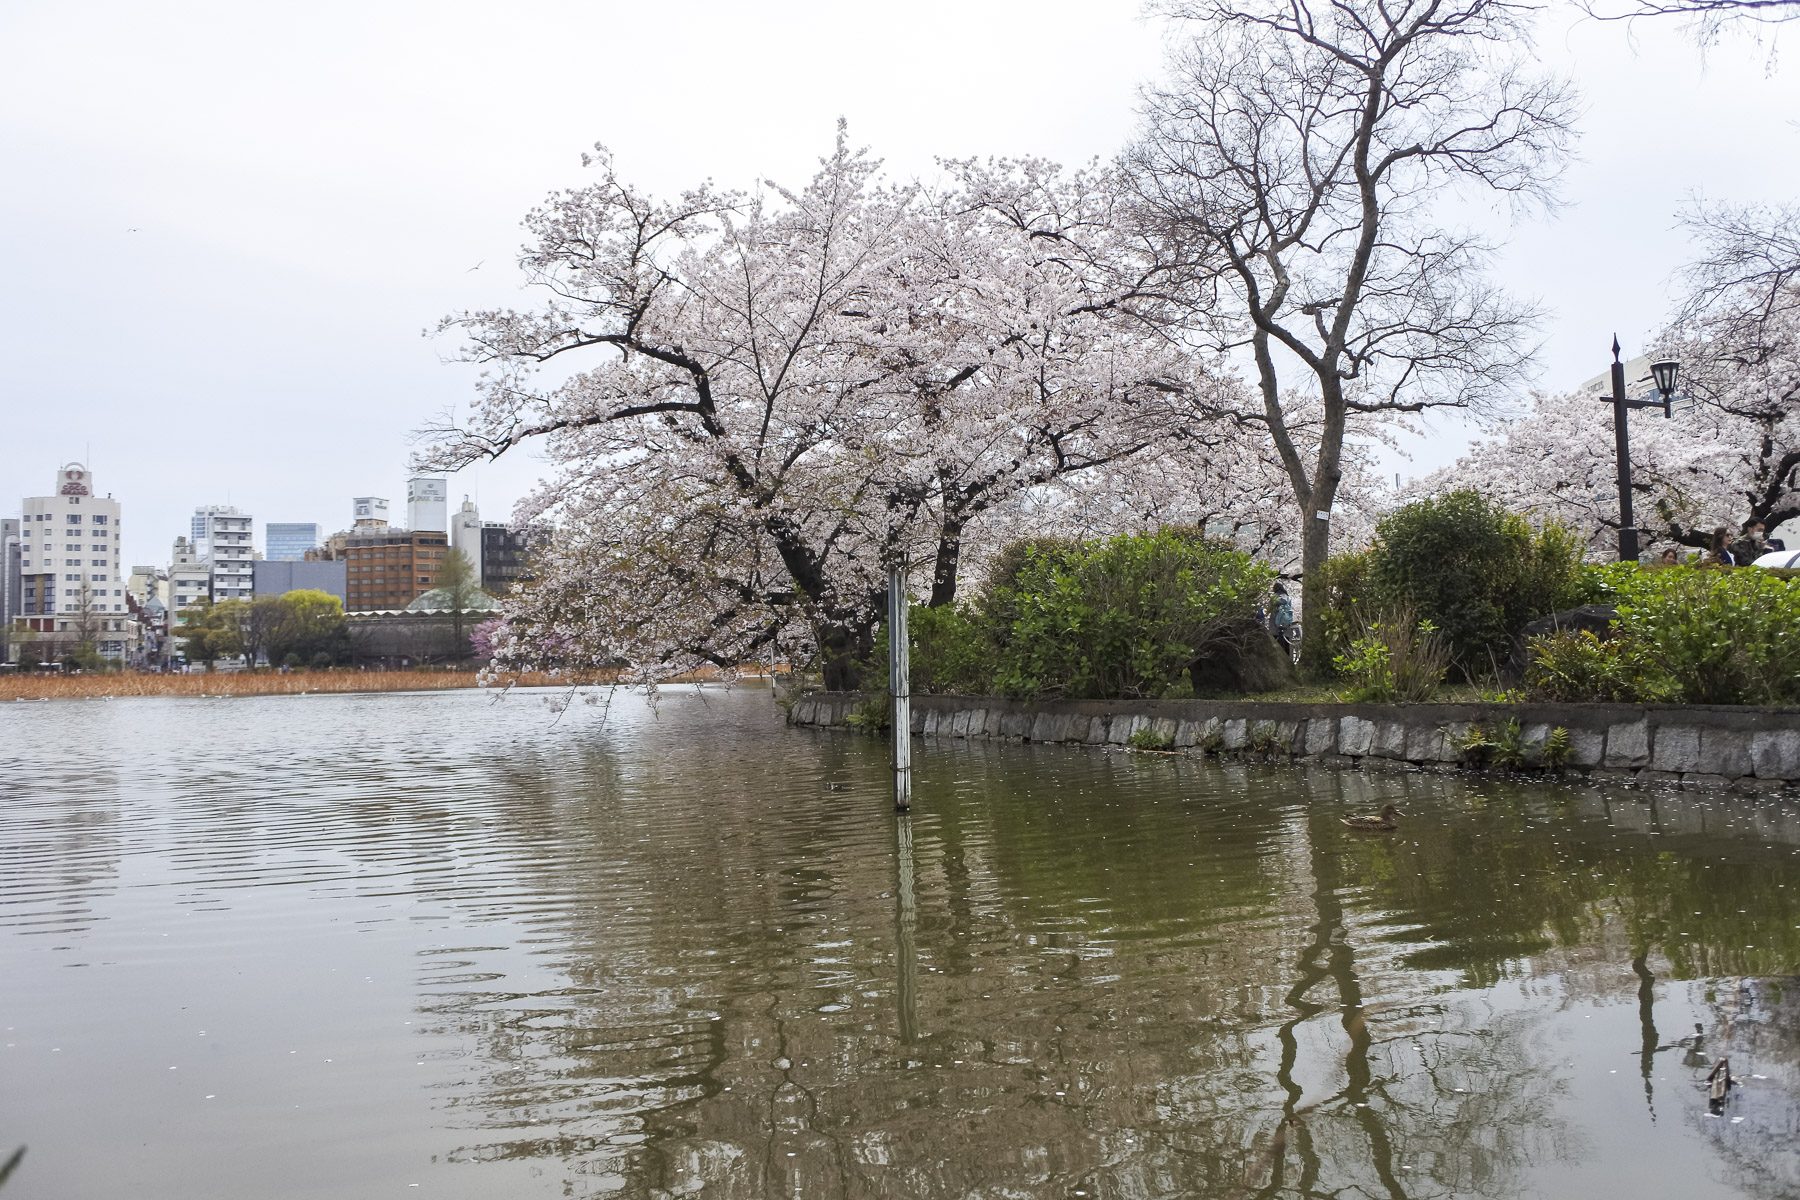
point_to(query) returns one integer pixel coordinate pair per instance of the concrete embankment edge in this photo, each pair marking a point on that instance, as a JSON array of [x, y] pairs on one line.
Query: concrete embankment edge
[[1747, 749]]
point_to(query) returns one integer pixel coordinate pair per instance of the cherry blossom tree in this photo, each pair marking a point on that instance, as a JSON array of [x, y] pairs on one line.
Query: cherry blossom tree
[[769, 397], [1731, 452], [1293, 162], [1738, 337]]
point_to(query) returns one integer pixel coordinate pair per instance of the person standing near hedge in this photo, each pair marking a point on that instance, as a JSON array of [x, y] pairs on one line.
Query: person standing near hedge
[[1753, 544], [1719, 551]]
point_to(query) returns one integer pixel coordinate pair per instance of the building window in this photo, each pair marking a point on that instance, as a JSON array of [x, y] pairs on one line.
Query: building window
[[74, 519], [99, 519]]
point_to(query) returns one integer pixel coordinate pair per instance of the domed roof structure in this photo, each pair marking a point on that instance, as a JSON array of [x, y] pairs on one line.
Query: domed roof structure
[[438, 600]]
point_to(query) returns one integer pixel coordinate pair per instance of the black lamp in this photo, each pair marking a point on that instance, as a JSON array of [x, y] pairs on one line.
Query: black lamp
[[1664, 374]]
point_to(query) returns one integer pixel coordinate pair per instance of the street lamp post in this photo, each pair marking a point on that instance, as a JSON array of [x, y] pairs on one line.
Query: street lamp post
[[1664, 374]]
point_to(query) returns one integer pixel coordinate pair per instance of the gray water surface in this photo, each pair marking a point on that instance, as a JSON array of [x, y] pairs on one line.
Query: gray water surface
[[430, 945]]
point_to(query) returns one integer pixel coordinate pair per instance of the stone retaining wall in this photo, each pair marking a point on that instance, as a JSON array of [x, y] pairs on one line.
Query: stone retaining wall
[[1751, 749]]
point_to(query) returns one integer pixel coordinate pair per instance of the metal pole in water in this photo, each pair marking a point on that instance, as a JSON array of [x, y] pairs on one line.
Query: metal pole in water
[[900, 687]]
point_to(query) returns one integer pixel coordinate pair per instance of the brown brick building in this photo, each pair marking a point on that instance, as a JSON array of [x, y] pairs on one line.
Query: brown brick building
[[390, 568]]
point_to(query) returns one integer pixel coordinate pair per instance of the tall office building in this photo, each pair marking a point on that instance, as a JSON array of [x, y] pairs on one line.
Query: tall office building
[[428, 504], [289, 541], [390, 568], [505, 558], [69, 549]]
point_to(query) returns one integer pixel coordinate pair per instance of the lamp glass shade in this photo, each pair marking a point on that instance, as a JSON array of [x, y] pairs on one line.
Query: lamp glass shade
[[1664, 373]]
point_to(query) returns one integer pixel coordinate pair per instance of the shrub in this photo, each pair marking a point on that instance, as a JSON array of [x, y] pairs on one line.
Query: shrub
[[1721, 636], [1474, 570], [873, 714], [1347, 591], [1121, 617], [951, 651], [1575, 665], [1395, 658]]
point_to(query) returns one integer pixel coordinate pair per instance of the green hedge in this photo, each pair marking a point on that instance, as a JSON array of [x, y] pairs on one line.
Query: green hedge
[[1694, 635], [1127, 616]]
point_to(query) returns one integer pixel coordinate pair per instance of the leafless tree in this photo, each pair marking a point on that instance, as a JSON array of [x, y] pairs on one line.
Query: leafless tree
[[1295, 162]]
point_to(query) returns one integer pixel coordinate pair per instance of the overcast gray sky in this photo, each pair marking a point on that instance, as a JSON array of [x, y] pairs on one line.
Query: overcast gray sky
[[226, 225]]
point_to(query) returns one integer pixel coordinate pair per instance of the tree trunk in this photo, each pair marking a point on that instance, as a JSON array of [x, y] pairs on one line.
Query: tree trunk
[[844, 655], [1315, 538], [943, 573]]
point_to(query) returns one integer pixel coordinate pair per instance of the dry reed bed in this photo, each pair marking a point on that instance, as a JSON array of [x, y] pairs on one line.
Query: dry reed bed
[[261, 683], [102, 686]]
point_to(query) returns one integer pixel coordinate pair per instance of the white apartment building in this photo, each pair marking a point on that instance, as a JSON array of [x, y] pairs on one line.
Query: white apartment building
[[370, 512], [465, 534], [190, 578], [222, 538], [69, 564]]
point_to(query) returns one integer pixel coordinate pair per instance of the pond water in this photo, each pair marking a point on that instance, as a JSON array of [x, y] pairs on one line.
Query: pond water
[[430, 945]]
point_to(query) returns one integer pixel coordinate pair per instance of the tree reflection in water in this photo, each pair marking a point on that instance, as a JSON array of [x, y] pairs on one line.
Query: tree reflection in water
[[1072, 970]]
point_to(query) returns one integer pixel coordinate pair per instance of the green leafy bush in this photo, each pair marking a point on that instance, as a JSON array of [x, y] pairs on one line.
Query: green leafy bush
[[1683, 635], [1722, 636], [952, 652], [1347, 594], [1395, 658], [1474, 570], [1576, 665], [1122, 617]]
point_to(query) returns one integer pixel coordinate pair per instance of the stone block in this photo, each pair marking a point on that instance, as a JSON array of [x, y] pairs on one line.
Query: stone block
[[1015, 724], [1531, 740], [1096, 731], [1724, 752], [1320, 736], [1650, 777], [1586, 747], [1118, 729], [1164, 727], [1704, 780], [1775, 753], [963, 722], [916, 724], [1389, 740], [1287, 736], [1628, 745], [1236, 733], [1676, 748], [1187, 733], [1428, 744], [1355, 736]]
